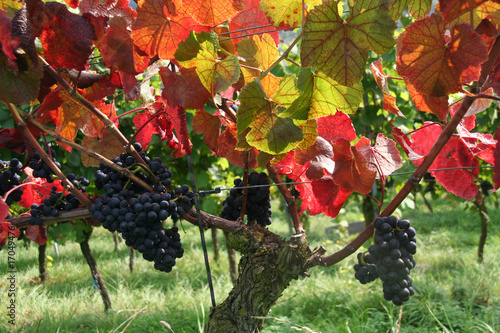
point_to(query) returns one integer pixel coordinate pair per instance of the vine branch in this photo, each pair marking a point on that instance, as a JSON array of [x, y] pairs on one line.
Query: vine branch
[[34, 143], [89, 152], [83, 101]]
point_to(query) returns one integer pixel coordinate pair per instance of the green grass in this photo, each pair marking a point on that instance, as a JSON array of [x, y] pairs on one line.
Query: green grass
[[454, 293]]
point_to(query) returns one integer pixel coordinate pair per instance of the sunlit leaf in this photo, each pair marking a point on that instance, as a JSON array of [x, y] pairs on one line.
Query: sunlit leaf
[[251, 16], [158, 31], [118, 50], [286, 14], [212, 12], [339, 48], [200, 51], [436, 64], [261, 113]]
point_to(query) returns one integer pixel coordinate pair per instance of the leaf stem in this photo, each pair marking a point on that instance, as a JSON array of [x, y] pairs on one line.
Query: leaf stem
[[282, 57]]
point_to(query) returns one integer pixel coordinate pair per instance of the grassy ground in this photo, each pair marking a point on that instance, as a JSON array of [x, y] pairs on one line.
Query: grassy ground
[[454, 293]]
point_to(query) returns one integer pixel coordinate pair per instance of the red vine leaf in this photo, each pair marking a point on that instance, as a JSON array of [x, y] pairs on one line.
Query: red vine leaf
[[384, 157], [352, 170], [8, 42], [381, 79], [339, 47], [38, 189], [14, 139], [66, 37], [69, 116], [453, 9], [158, 29], [109, 9], [6, 229], [319, 157], [154, 121], [460, 182], [330, 198], [455, 154], [37, 233], [336, 126], [437, 64], [251, 16], [210, 126], [429, 103], [183, 88], [118, 49], [318, 196], [213, 12], [405, 143]]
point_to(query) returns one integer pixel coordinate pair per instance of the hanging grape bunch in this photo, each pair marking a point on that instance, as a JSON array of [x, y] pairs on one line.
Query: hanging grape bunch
[[9, 178], [258, 206], [138, 214], [390, 258]]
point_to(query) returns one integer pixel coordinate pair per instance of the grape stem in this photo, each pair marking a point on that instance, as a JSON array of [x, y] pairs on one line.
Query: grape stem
[[27, 133]]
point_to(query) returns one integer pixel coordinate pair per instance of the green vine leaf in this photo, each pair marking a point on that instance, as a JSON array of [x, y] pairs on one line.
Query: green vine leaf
[[200, 51], [260, 115], [339, 48]]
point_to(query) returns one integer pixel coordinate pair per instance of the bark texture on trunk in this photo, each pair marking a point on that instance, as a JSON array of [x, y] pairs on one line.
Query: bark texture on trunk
[[268, 265], [233, 265]]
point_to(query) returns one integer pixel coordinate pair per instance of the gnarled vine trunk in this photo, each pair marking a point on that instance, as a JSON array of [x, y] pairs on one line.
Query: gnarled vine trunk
[[268, 265]]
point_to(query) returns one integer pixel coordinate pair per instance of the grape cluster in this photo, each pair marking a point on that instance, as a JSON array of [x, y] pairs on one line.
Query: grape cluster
[[258, 200], [53, 205], [111, 181], [138, 214], [139, 220], [10, 178], [42, 169], [392, 255]]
